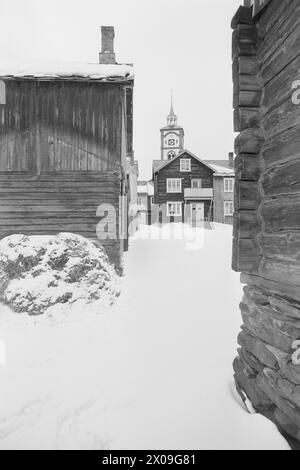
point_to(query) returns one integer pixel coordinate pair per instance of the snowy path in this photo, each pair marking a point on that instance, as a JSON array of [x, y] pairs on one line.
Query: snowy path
[[154, 372]]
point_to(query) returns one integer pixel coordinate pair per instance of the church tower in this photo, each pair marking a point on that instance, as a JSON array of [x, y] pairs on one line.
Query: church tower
[[172, 137]]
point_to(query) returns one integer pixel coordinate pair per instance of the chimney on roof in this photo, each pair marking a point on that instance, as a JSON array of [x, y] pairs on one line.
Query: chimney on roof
[[231, 164], [107, 54]]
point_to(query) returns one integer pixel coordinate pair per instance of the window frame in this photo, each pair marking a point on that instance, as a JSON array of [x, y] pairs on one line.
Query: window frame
[[197, 179], [177, 204], [184, 170], [228, 189], [228, 213], [174, 191]]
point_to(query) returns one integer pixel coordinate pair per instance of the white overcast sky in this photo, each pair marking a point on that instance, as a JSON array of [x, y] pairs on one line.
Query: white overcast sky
[[184, 45]]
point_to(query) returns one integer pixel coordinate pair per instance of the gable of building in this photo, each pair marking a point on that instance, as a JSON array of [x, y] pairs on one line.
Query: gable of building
[[158, 165]]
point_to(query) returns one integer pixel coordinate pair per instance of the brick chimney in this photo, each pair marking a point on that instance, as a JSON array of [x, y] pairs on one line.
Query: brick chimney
[[107, 54], [231, 164]]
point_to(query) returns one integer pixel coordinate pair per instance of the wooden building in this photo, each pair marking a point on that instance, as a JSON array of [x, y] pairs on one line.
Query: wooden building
[[188, 188], [145, 202], [266, 249], [65, 147]]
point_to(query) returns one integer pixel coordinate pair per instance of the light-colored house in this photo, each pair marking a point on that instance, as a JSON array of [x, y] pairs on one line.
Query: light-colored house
[[145, 202]]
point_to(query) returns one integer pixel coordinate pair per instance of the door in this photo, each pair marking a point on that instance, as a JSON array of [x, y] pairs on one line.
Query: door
[[197, 209]]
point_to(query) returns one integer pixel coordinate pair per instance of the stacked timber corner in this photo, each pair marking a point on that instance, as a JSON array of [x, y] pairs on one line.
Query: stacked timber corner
[[266, 68], [66, 149]]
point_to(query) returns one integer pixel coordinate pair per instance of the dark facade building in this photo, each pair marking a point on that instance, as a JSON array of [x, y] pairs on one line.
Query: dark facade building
[[188, 188], [65, 146]]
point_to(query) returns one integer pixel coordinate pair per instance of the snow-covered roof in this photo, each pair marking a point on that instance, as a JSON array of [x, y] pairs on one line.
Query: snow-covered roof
[[222, 171], [66, 71], [145, 187]]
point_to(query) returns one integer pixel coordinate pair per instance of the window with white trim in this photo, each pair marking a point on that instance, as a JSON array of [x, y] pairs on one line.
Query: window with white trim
[[228, 208], [139, 201], [174, 185], [174, 209], [185, 164], [228, 185], [197, 183]]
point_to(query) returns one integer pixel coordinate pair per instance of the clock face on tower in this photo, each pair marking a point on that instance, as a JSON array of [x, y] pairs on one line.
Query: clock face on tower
[[171, 142]]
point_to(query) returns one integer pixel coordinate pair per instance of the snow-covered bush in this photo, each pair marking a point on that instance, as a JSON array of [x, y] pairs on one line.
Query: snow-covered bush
[[38, 272]]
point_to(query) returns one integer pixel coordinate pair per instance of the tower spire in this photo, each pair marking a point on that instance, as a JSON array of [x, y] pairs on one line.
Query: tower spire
[[172, 118]]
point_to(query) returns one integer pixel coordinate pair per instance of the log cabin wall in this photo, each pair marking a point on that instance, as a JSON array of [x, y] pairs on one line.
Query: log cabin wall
[[266, 249], [61, 157]]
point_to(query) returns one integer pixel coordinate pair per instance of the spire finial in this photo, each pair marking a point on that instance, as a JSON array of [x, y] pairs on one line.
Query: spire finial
[[172, 118]]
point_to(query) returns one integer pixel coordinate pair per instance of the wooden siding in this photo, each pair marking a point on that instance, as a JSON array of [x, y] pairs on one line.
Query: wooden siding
[[219, 199], [198, 170], [267, 222], [60, 126], [62, 152], [56, 203]]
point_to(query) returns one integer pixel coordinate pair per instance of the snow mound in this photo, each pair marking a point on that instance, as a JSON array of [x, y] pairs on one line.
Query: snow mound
[[38, 272]]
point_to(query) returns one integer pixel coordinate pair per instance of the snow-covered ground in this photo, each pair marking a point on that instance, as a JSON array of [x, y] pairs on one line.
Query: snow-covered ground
[[152, 372]]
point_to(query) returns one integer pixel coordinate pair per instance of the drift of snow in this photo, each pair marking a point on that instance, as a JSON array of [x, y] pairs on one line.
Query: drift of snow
[[152, 372], [40, 272]]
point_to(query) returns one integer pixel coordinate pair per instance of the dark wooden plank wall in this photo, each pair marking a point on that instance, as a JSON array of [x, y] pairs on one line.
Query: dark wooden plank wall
[[173, 171], [60, 158], [60, 126], [267, 220]]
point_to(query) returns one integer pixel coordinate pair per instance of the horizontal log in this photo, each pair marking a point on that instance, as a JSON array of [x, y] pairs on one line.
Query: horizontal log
[[245, 118], [245, 66], [280, 271], [249, 141], [60, 176], [282, 180], [242, 16], [258, 349], [268, 383], [281, 119], [247, 98], [245, 378], [244, 41], [263, 324], [246, 255], [246, 224], [284, 51], [247, 195], [282, 148], [248, 167], [285, 247], [281, 214], [284, 289]]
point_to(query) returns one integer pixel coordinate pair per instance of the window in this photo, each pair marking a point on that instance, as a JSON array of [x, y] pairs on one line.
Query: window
[[185, 164], [197, 184], [174, 209], [2, 92], [139, 201], [228, 185], [228, 208], [174, 185]]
